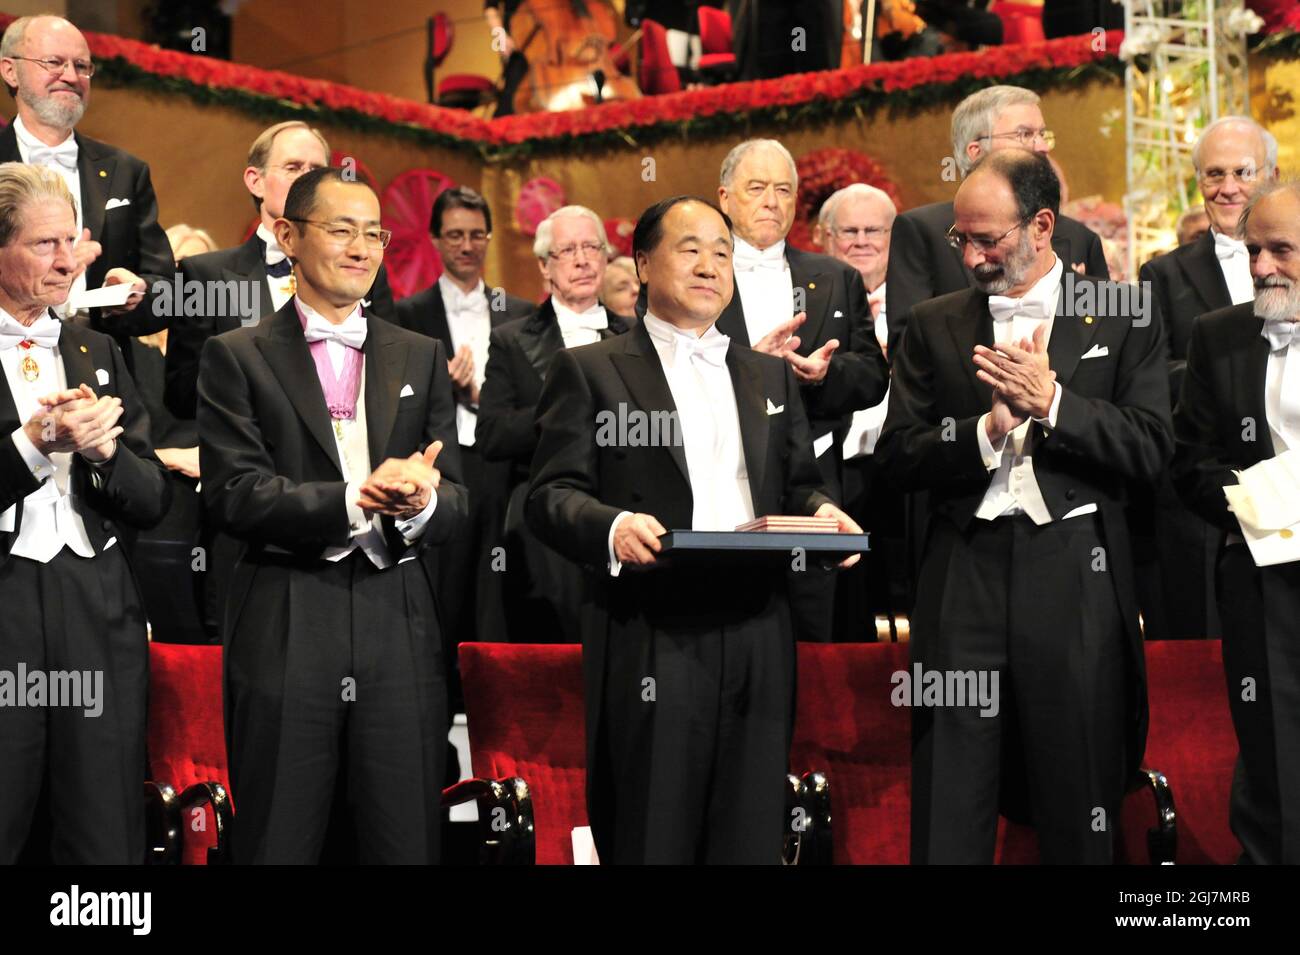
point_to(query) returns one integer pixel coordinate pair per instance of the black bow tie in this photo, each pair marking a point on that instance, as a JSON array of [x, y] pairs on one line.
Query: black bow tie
[[280, 269]]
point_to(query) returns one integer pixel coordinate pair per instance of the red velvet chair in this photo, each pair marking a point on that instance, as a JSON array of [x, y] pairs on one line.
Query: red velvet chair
[[187, 755], [524, 706], [718, 59], [187, 752], [459, 90], [656, 74], [1021, 22]]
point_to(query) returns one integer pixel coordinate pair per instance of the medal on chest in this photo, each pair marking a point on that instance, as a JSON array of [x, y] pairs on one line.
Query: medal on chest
[[28, 366]]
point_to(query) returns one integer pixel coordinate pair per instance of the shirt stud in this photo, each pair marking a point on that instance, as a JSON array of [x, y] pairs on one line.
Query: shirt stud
[[1088, 319], [84, 348], [102, 174]]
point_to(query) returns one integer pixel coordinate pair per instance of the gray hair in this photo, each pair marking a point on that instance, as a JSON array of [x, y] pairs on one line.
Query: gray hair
[[975, 116], [729, 164], [856, 190], [546, 230], [1263, 191], [1267, 138], [20, 185]]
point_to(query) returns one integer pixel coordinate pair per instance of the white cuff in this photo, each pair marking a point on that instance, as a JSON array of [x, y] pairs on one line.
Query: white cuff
[[358, 523], [615, 565], [1050, 420], [413, 527], [40, 466], [992, 456]]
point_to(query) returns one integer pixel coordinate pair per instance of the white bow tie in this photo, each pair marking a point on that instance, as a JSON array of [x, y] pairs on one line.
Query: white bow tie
[[44, 332], [710, 348], [460, 302], [64, 154], [749, 259], [1005, 309], [1280, 333], [1226, 247], [594, 319], [351, 333]]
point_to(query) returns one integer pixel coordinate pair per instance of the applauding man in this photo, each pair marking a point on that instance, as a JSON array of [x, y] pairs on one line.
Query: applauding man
[[328, 449]]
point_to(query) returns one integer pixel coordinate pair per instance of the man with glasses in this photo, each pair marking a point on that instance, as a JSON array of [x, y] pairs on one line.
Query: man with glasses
[[812, 311], [328, 448], [45, 62], [278, 156], [1232, 157], [854, 226], [921, 263], [543, 589], [1026, 424], [460, 310]]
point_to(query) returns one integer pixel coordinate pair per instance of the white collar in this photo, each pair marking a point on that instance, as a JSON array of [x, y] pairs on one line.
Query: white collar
[[29, 141], [451, 292], [566, 314], [314, 317], [743, 251]]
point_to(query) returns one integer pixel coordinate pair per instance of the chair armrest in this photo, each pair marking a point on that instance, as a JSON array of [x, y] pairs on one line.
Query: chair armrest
[[505, 818], [162, 822], [215, 796], [1162, 838], [807, 836]]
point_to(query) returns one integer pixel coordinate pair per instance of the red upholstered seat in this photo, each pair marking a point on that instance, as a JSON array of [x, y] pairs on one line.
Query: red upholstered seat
[[656, 75], [718, 58], [186, 735], [465, 83], [1021, 22], [524, 706]]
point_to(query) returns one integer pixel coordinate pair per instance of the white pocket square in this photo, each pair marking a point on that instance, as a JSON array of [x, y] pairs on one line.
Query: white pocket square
[[1096, 351], [838, 313], [116, 204], [102, 375], [407, 392], [109, 543], [774, 409]]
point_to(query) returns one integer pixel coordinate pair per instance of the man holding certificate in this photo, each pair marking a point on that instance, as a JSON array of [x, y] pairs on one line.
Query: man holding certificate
[[1238, 428]]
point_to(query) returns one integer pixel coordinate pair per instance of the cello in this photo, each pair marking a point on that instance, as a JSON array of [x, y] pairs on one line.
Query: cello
[[568, 46]]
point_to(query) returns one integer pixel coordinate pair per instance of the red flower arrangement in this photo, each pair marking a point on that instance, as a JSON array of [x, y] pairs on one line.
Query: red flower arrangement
[[823, 172], [806, 96]]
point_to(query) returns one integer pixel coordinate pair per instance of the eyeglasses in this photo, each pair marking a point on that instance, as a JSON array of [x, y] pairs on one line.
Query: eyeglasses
[[457, 236], [1026, 136], [296, 168], [1217, 177], [959, 241], [55, 66], [341, 233], [570, 252], [872, 234]]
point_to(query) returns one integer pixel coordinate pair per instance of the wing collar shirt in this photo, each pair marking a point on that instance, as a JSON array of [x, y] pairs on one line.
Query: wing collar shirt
[[352, 443], [707, 424], [1013, 489], [51, 518], [469, 323], [765, 287], [1234, 262]]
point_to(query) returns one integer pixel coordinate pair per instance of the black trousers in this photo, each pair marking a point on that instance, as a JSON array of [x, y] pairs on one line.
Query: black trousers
[[691, 766], [74, 614], [335, 668], [1261, 659], [1027, 603]]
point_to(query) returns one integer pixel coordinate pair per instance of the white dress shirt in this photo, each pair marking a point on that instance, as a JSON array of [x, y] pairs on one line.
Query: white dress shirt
[[352, 443], [764, 285], [579, 328], [470, 324], [281, 288], [1234, 261], [50, 157], [709, 425], [1282, 393], [867, 423], [51, 516], [1013, 488]]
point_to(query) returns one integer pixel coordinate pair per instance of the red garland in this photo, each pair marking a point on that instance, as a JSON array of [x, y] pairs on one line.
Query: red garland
[[675, 108]]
